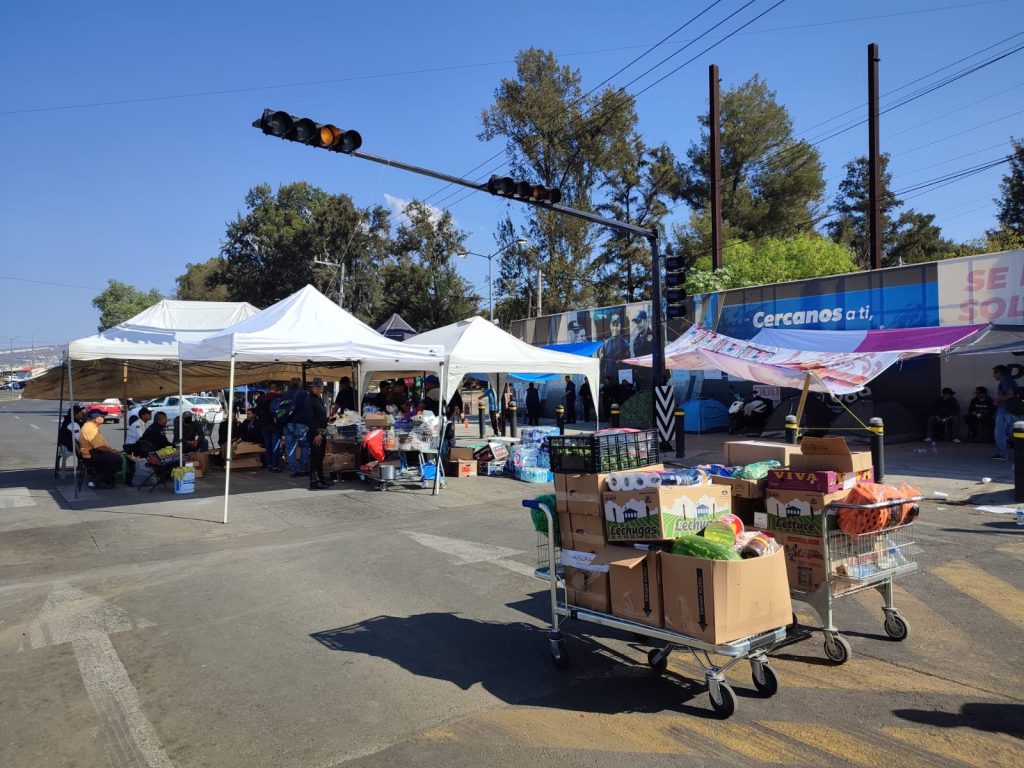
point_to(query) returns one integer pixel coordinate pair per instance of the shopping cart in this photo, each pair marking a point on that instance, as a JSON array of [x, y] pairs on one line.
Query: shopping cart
[[857, 562], [419, 456], [723, 699]]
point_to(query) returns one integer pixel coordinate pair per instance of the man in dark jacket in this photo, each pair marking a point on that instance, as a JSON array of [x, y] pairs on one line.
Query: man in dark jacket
[[586, 399], [945, 417], [981, 414], [270, 436], [295, 407], [318, 435], [570, 400], [346, 399], [532, 405], [615, 348], [156, 433]]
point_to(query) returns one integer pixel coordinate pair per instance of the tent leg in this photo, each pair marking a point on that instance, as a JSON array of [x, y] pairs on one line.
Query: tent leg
[[181, 418], [71, 398], [231, 422], [803, 400], [60, 419], [440, 443]]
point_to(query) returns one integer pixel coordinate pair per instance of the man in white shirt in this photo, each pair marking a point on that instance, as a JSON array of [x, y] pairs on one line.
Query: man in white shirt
[[135, 430]]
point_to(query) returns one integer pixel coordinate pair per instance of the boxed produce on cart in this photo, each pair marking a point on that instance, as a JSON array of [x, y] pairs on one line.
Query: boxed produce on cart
[[801, 538], [743, 452], [634, 581], [829, 453], [786, 503], [662, 513], [719, 601], [609, 450], [822, 480], [581, 493], [588, 589], [587, 531]]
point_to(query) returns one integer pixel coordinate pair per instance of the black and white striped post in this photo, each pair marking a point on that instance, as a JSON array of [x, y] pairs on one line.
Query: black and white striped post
[[664, 414]]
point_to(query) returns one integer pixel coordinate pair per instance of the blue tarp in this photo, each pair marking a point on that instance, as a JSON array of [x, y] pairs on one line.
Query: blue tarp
[[705, 415]]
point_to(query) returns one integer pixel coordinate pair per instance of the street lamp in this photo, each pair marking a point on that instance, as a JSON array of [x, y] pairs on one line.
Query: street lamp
[[11, 339], [490, 258]]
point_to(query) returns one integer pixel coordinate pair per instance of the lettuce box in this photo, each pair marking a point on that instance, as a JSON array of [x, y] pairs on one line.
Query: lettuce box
[[581, 494], [658, 514], [786, 503], [720, 601]]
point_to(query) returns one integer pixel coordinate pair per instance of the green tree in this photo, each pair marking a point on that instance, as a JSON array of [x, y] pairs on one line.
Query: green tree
[[852, 204], [771, 260], [559, 136], [204, 281], [514, 286], [1010, 233], [914, 238], [120, 301], [771, 183], [422, 283], [636, 192]]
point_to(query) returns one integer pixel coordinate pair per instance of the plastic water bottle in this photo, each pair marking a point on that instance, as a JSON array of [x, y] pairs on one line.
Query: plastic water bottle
[[1020, 517]]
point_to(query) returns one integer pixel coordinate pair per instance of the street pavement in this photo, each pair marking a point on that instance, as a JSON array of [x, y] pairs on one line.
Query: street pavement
[[360, 628]]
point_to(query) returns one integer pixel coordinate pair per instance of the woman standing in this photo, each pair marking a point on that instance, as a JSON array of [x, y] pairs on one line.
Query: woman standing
[[508, 396]]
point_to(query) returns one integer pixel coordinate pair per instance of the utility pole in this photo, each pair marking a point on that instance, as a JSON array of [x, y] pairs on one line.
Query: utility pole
[[714, 125], [874, 162], [540, 285], [339, 266]]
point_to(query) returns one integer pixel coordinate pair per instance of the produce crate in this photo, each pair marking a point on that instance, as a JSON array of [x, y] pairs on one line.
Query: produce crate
[[603, 452]]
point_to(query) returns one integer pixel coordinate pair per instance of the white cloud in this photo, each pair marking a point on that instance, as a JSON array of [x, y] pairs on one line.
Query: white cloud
[[398, 206]]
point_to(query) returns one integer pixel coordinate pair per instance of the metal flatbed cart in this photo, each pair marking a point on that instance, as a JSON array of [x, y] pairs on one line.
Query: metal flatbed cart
[[754, 649], [857, 562], [416, 449]]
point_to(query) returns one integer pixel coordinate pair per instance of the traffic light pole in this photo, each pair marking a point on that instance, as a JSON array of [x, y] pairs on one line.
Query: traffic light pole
[[658, 353]]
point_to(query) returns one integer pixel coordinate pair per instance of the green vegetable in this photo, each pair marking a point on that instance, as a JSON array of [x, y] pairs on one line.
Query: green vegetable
[[540, 520], [691, 545]]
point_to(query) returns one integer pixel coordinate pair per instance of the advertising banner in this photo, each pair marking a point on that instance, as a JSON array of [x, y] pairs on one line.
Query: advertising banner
[[982, 289]]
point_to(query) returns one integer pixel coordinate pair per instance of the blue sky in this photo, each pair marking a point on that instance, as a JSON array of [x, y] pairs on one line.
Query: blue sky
[[106, 173]]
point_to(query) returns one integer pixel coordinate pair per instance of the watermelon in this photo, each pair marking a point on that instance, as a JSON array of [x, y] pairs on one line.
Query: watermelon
[[691, 545]]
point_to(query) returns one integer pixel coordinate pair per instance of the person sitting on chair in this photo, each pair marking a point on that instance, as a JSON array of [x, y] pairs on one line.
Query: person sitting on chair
[[193, 438], [249, 430], [103, 460], [980, 418], [946, 416], [136, 430], [155, 433]]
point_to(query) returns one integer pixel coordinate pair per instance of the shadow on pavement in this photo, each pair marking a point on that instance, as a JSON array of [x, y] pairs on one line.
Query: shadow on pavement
[[511, 661], [981, 716]]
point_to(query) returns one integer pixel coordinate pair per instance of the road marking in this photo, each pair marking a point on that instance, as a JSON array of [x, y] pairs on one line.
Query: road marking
[[835, 742], [33, 426], [466, 552], [17, 417], [73, 616], [968, 747], [1003, 598]]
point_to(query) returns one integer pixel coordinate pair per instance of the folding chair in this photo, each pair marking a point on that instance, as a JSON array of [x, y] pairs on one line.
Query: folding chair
[[161, 471]]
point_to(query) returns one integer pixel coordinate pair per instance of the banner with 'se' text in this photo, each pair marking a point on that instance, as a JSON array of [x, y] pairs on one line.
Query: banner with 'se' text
[[982, 289]]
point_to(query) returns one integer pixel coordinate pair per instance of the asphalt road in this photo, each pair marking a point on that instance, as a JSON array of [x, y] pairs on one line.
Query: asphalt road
[[358, 628]]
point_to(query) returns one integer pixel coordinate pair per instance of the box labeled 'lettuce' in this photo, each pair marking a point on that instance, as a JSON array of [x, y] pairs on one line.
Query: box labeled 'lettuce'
[[666, 512]]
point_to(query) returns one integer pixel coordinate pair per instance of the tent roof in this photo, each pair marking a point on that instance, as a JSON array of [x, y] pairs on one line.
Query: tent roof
[[395, 323], [154, 333], [909, 342], [308, 326]]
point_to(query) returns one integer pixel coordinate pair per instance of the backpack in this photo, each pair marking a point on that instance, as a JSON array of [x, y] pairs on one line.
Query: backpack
[[283, 409]]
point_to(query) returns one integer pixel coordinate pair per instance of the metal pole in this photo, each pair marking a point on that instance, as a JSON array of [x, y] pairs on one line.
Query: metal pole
[[658, 351], [560, 419], [71, 398], [877, 448], [615, 414], [443, 385], [480, 408], [680, 432], [181, 418], [60, 419], [490, 288], [792, 430], [715, 121], [540, 287], [874, 162], [1018, 461], [512, 418], [227, 449]]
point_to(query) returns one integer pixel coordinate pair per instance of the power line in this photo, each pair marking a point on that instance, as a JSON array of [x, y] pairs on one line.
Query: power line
[[44, 282], [949, 178]]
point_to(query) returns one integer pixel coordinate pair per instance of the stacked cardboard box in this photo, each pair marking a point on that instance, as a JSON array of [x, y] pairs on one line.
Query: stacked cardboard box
[[244, 455], [200, 462], [461, 468]]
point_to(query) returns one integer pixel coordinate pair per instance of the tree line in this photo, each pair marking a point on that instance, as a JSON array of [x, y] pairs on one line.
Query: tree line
[[777, 224]]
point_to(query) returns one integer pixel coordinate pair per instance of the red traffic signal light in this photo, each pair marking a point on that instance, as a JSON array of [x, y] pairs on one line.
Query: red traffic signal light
[[308, 132], [505, 186]]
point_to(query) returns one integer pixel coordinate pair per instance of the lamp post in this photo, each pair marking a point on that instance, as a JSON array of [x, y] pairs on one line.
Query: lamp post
[[11, 339], [490, 258]]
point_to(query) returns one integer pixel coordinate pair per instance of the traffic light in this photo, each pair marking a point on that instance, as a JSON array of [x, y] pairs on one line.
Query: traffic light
[[675, 293], [308, 132], [505, 186]]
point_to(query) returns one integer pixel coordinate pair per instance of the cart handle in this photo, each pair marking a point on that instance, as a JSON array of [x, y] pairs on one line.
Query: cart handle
[[534, 504], [878, 505]]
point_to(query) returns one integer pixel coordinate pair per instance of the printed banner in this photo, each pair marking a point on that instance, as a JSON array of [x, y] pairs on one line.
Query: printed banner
[[983, 289]]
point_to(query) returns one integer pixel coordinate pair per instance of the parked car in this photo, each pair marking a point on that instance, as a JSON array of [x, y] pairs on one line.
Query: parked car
[[111, 408], [208, 409]]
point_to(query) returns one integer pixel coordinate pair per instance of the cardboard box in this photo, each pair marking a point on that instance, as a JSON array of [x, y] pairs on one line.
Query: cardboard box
[[782, 502], [375, 421], [344, 462], [662, 513], [583, 560], [492, 451], [822, 480], [464, 452], [461, 468], [588, 534], [565, 531], [720, 601], [581, 494], [743, 452], [742, 489], [634, 581], [829, 453], [801, 540], [247, 462], [746, 509], [587, 589], [200, 462], [490, 468]]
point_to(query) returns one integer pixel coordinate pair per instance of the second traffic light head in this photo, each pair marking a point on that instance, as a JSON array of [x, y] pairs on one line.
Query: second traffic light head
[[506, 186], [308, 132]]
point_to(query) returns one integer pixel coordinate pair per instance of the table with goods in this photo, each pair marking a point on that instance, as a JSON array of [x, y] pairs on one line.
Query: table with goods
[[708, 559]]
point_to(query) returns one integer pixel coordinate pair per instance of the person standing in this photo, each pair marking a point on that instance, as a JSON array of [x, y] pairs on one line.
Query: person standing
[[104, 459], [615, 348], [346, 399], [586, 399], [318, 430], [570, 400], [609, 397], [492, 408], [270, 432], [508, 396], [294, 412], [1005, 392], [532, 405]]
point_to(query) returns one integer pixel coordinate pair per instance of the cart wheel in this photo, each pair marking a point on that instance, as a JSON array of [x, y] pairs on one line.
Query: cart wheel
[[838, 650], [896, 626], [657, 663], [768, 685], [725, 705], [558, 654]]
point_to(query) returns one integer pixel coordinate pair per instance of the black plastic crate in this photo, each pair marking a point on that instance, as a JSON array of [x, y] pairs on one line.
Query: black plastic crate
[[607, 452]]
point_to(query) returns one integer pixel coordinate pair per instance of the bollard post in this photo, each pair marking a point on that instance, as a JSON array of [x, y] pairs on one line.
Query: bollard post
[[512, 419], [877, 448], [560, 419], [480, 409], [792, 430], [680, 432], [615, 414], [1018, 461]]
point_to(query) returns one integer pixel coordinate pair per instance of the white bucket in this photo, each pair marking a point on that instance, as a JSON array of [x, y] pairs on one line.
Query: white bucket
[[186, 483]]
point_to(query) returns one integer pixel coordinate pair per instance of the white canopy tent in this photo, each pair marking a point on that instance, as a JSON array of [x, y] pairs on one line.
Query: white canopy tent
[[476, 345], [307, 327]]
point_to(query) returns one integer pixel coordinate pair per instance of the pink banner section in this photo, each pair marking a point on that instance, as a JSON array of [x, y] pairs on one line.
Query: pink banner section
[[909, 342]]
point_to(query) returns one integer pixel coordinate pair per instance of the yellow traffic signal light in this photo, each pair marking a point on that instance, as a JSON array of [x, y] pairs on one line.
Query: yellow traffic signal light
[[308, 132], [505, 186]]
